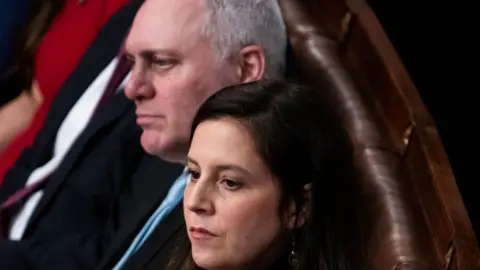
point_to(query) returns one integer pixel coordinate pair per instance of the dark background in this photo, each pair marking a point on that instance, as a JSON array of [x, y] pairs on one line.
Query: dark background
[[438, 44]]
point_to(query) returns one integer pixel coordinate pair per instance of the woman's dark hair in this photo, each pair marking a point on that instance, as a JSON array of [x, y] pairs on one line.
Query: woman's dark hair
[[40, 16], [301, 140]]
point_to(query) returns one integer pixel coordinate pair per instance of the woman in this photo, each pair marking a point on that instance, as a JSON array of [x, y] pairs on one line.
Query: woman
[[272, 183], [54, 40]]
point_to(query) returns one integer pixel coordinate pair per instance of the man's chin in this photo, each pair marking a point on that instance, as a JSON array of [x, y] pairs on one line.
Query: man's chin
[[155, 145], [150, 142]]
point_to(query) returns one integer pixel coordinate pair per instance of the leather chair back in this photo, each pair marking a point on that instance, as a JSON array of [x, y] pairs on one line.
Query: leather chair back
[[413, 217]]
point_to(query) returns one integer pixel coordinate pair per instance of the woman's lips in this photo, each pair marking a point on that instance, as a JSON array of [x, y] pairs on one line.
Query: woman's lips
[[200, 233]]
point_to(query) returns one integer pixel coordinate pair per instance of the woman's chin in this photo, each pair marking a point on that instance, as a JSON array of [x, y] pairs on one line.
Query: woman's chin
[[207, 260]]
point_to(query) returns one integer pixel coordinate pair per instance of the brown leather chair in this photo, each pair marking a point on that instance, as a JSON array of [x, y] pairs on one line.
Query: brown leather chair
[[413, 217]]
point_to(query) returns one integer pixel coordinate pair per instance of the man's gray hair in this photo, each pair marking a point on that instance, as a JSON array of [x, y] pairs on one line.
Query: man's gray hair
[[234, 24]]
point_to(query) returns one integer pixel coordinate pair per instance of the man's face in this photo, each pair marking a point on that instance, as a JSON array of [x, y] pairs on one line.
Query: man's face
[[175, 70]]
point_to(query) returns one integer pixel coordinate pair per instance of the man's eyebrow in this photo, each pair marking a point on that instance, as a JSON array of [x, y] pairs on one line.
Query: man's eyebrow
[[149, 53]]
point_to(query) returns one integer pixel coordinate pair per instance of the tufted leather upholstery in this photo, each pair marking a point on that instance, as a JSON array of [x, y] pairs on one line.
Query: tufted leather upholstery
[[413, 217]]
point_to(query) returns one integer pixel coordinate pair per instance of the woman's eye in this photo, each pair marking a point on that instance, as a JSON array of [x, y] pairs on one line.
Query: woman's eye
[[231, 185], [194, 175]]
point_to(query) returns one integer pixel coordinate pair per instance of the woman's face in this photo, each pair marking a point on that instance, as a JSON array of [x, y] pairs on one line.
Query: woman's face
[[232, 201]]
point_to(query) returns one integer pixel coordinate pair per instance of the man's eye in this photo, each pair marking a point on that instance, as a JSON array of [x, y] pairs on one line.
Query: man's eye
[[130, 60], [160, 62]]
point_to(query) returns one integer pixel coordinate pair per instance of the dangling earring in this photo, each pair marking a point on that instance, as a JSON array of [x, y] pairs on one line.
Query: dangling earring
[[293, 256]]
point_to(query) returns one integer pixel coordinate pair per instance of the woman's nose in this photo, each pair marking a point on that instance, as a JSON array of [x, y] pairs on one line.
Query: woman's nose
[[198, 198]]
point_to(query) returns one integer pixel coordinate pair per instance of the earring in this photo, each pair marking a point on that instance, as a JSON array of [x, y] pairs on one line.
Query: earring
[[293, 256]]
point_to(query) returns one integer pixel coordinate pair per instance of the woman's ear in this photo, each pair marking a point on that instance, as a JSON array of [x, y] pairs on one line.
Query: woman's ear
[[251, 64], [296, 219]]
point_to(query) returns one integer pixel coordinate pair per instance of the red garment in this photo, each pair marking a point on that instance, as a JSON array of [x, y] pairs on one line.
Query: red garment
[[61, 49]]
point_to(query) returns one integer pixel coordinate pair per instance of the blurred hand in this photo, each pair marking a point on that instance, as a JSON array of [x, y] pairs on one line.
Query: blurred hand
[[17, 115]]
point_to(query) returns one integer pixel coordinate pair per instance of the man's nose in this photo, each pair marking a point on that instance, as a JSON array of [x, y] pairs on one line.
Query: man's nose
[[138, 86]]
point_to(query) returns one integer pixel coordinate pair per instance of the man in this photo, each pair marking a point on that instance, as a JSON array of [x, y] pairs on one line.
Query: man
[[87, 152], [183, 51]]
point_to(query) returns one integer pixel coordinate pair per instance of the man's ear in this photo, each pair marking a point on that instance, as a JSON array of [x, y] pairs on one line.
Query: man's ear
[[251, 64], [296, 219]]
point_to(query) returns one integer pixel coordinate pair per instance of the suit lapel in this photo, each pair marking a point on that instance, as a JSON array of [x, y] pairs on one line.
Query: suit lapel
[[110, 112], [152, 183], [157, 240]]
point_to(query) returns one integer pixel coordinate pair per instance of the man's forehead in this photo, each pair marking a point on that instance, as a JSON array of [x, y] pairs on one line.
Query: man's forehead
[[166, 20]]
